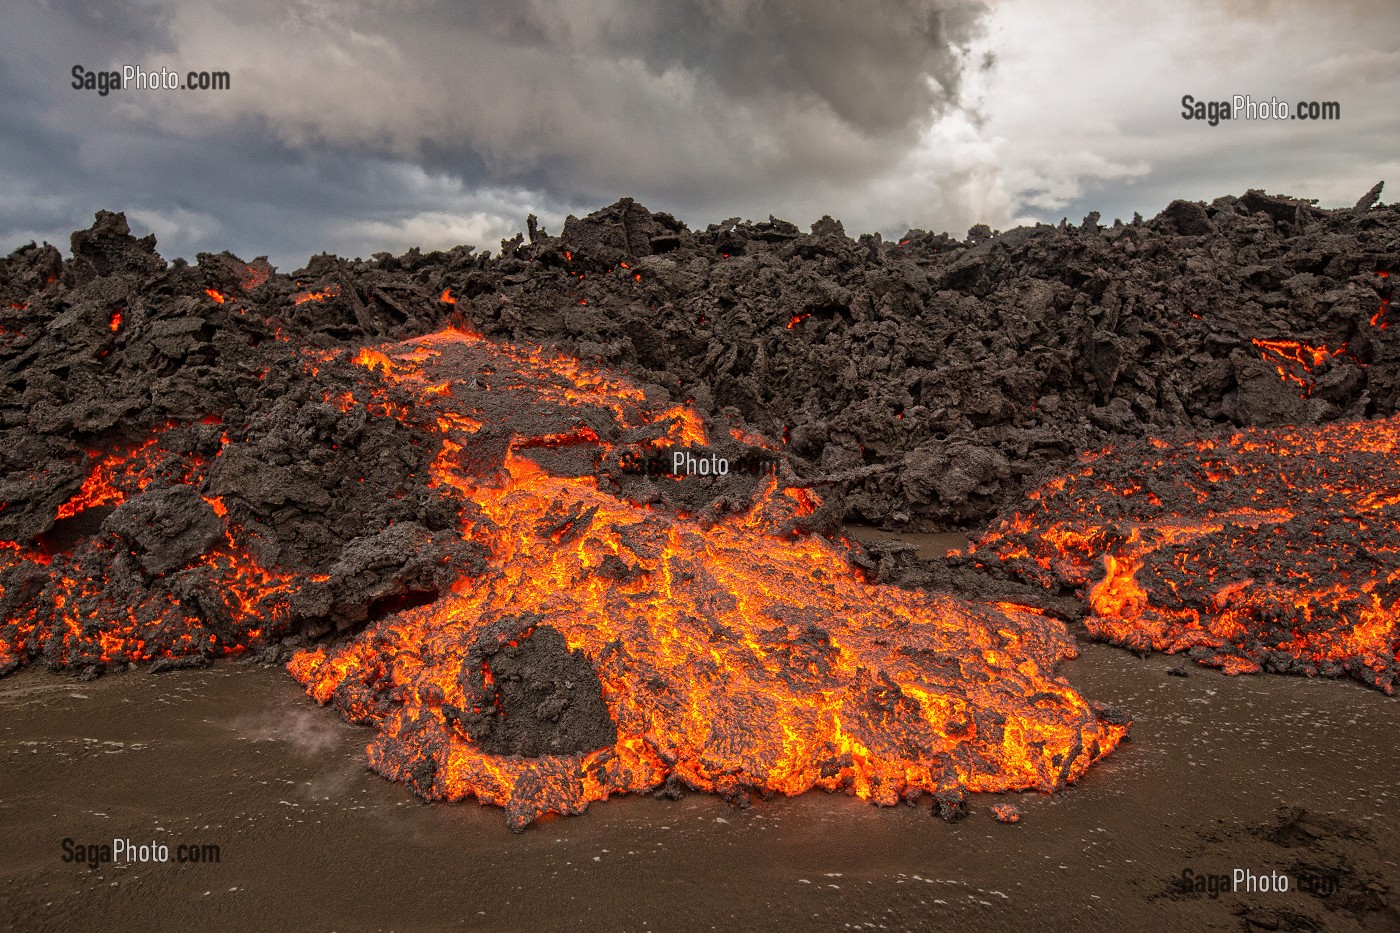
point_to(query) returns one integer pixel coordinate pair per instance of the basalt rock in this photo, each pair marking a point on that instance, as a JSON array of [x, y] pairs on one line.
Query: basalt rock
[[923, 383], [536, 697]]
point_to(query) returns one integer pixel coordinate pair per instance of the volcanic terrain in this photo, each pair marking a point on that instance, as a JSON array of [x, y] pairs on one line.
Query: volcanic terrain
[[442, 485]]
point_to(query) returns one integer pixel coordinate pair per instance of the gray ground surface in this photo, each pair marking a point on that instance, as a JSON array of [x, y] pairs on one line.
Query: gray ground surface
[[310, 840]]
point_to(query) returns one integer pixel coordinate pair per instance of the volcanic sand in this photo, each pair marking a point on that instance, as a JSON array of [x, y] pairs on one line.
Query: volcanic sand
[[238, 756]]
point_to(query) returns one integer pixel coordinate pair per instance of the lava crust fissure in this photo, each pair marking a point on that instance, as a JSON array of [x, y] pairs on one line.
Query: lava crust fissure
[[1271, 549]]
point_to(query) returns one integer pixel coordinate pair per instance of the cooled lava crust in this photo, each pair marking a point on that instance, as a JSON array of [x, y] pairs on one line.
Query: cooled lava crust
[[1268, 549], [216, 458]]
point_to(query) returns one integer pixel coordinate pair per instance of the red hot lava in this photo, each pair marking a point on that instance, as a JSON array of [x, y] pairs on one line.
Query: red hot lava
[[589, 628], [1274, 549], [163, 575], [726, 655]]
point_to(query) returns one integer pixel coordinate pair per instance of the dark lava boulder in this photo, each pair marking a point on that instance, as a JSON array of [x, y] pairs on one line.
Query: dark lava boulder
[[535, 697]]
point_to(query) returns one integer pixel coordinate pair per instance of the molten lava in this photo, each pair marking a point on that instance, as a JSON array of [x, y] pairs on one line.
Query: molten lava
[[330, 291], [168, 575], [726, 655], [1295, 362], [567, 627], [1274, 549]]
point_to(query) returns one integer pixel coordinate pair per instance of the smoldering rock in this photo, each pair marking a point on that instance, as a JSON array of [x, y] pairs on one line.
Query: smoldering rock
[[32, 497], [950, 805], [166, 529], [1006, 813], [1260, 397]]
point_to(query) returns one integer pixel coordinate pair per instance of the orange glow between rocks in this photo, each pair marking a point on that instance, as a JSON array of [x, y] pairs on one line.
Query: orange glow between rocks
[[734, 657], [1269, 548], [330, 291], [1296, 361], [136, 626]]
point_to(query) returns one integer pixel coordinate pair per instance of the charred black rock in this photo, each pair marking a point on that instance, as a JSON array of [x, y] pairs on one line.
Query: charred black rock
[[166, 529], [950, 804], [533, 697]]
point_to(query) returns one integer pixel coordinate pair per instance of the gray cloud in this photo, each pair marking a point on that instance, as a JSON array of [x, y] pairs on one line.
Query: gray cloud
[[596, 96], [428, 118], [1103, 128], [369, 125]]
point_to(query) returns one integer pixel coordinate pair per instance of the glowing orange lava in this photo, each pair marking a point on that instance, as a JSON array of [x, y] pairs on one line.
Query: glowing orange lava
[[1273, 549], [122, 472], [734, 656], [329, 291], [81, 612], [1296, 361], [729, 650]]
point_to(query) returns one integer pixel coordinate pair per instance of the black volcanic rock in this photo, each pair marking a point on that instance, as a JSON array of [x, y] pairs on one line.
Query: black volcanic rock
[[1034, 343], [921, 384], [535, 697], [166, 529]]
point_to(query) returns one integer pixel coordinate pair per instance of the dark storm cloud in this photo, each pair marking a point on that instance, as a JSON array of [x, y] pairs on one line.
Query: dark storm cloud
[[586, 98], [113, 25], [380, 124], [385, 117], [863, 61]]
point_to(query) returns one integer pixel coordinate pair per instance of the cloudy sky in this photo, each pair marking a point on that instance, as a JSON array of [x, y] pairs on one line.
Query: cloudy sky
[[365, 125]]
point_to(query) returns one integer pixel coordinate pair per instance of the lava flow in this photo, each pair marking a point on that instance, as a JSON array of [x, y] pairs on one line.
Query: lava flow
[[1274, 549], [593, 645], [139, 565], [551, 619]]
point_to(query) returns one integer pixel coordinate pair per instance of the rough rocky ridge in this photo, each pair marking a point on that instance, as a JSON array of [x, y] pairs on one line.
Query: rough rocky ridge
[[922, 383]]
